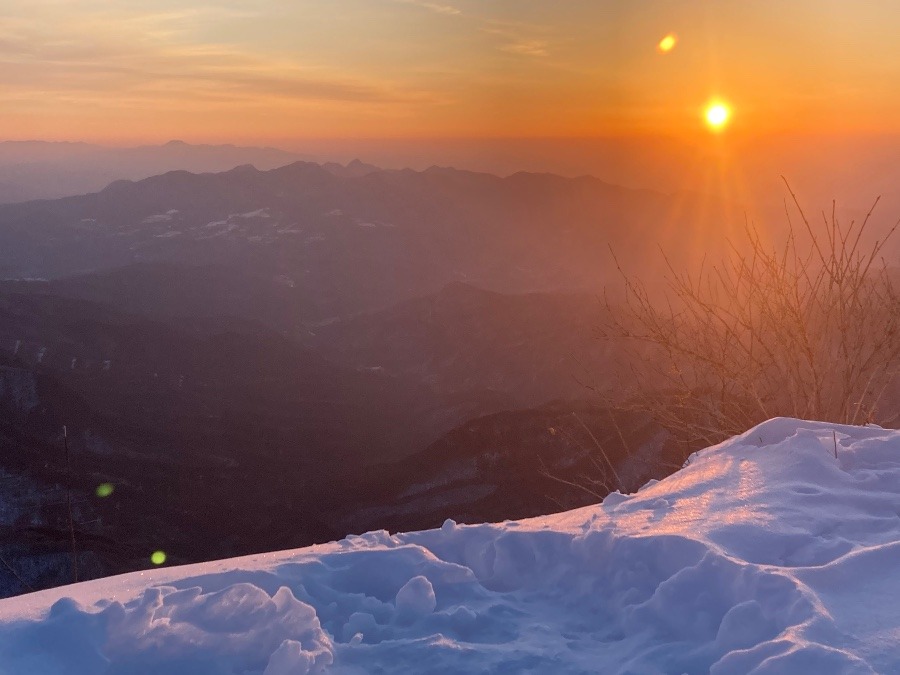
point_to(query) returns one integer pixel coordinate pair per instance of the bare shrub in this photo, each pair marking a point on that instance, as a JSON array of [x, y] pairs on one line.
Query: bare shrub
[[807, 330]]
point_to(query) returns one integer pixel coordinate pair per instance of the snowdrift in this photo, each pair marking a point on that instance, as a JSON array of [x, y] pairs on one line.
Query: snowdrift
[[775, 552]]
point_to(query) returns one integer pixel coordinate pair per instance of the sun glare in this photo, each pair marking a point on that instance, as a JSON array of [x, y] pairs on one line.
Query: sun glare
[[667, 44], [717, 115]]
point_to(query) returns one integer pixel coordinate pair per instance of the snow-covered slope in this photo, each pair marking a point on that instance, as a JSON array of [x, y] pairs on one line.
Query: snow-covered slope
[[765, 554]]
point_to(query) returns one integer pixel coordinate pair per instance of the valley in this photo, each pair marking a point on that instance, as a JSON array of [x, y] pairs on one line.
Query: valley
[[349, 347]]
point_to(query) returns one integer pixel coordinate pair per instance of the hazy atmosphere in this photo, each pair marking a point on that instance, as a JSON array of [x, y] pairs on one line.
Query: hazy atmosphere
[[452, 336], [500, 86]]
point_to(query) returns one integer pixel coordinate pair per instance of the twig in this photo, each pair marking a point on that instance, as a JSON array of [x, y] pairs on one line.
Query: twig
[[15, 574], [69, 506], [602, 451]]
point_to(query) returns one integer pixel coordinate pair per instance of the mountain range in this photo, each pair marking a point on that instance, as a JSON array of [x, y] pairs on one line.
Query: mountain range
[[356, 347], [46, 170], [346, 242]]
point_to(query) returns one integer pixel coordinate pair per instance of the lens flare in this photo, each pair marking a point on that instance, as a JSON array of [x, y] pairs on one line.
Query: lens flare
[[717, 115], [158, 557], [667, 44], [105, 489]]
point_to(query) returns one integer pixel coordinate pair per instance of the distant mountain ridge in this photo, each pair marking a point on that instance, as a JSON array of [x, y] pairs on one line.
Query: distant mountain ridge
[[50, 170], [359, 238]]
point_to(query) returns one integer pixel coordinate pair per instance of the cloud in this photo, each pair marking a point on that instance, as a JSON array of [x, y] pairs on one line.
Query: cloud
[[449, 10], [518, 38], [527, 47], [104, 55]]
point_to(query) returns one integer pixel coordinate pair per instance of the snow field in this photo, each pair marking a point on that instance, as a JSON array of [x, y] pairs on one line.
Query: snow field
[[765, 554]]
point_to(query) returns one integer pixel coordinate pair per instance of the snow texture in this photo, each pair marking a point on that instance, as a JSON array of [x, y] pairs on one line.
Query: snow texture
[[774, 552]]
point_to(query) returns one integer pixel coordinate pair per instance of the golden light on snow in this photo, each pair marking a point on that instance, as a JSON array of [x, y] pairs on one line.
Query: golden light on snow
[[717, 115], [667, 44]]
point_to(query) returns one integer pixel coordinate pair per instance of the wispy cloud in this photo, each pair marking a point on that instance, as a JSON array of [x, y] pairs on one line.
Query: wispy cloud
[[439, 8], [107, 55], [527, 47], [518, 39], [382, 67]]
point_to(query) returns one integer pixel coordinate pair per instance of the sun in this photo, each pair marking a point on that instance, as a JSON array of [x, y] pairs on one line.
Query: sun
[[717, 115]]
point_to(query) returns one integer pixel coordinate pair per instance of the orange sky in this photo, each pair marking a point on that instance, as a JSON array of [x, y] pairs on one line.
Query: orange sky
[[228, 70]]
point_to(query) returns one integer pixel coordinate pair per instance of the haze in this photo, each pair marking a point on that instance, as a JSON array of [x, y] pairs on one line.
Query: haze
[[276, 272], [150, 71], [574, 87]]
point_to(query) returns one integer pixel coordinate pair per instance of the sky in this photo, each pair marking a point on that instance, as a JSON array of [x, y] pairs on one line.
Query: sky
[[279, 71]]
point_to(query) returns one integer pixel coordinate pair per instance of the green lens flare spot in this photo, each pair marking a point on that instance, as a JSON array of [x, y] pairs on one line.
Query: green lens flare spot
[[105, 489], [158, 558]]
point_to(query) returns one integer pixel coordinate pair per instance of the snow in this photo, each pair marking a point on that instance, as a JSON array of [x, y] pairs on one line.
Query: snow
[[158, 218], [258, 213], [365, 223], [774, 552], [241, 224]]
